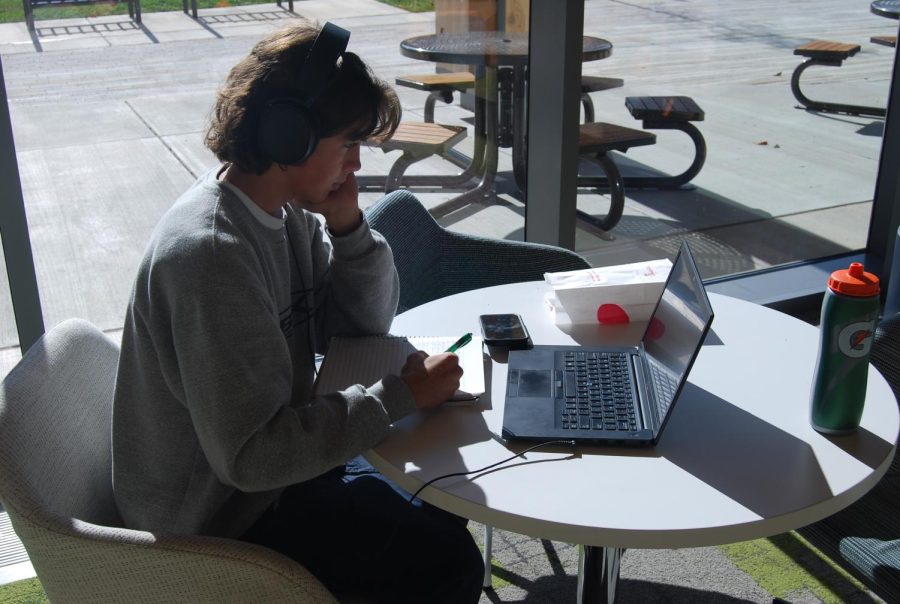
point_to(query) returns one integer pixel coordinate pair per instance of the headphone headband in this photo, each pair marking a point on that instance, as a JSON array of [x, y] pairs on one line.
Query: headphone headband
[[288, 129], [321, 60]]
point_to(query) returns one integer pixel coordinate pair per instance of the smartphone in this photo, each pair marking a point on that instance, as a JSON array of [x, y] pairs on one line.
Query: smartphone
[[504, 330]]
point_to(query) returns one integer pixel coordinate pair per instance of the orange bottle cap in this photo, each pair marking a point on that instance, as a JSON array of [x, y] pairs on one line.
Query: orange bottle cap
[[854, 281]]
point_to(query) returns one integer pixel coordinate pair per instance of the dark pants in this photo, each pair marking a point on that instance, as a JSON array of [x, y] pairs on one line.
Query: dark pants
[[358, 534]]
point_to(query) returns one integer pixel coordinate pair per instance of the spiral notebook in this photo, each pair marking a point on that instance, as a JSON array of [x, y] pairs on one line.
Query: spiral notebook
[[365, 360]]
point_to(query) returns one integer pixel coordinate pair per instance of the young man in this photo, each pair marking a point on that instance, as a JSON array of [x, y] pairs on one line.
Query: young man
[[215, 427]]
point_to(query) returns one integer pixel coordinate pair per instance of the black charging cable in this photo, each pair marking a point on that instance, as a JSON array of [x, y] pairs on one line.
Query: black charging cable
[[571, 443]]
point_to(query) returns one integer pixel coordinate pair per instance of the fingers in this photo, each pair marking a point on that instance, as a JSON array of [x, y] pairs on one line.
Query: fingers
[[347, 194], [341, 207], [445, 364], [431, 379]]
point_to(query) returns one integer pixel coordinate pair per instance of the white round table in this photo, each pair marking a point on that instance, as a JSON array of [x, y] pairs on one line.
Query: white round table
[[738, 459]]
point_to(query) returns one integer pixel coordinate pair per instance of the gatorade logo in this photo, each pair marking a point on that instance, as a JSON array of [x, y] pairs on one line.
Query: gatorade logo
[[855, 340]]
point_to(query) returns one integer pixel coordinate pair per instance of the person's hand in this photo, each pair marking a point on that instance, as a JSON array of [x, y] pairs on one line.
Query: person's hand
[[341, 208], [431, 379]]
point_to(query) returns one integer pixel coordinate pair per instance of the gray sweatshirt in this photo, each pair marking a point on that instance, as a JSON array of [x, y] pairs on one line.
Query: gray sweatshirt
[[214, 412]]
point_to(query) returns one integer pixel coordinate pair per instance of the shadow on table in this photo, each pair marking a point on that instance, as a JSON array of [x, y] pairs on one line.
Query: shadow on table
[[868, 448], [770, 459]]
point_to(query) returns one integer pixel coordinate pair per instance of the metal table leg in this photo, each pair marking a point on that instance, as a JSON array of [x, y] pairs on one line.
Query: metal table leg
[[598, 574], [486, 80]]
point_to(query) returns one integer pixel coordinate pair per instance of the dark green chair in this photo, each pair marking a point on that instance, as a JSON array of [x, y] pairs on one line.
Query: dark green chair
[[434, 262]]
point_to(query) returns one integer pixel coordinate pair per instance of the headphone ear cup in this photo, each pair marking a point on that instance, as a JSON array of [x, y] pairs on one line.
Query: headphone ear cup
[[287, 133]]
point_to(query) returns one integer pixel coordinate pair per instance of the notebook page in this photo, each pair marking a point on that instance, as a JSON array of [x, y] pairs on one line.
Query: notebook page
[[471, 359], [365, 360]]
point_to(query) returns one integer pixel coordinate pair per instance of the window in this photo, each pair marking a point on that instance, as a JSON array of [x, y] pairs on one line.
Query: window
[[108, 132]]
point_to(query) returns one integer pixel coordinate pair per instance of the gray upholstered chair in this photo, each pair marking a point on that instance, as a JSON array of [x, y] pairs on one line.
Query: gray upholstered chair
[[434, 262], [56, 485]]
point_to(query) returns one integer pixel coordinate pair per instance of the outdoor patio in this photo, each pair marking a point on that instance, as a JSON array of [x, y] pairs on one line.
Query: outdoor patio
[[108, 119]]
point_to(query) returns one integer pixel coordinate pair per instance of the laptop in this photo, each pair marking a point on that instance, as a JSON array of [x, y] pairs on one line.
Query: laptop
[[612, 395]]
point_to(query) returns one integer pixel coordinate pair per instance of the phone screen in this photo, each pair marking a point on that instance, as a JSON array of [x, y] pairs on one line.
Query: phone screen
[[503, 327]]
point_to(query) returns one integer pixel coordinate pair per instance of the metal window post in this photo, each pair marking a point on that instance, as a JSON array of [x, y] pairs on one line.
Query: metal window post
[[14, 232], [555, 43], [885, 218]]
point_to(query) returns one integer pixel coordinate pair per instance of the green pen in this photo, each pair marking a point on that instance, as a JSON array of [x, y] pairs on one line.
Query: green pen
[[460, 342]]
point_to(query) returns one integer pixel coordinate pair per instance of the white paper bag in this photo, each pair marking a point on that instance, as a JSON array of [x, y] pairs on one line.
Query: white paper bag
[[611, 294]]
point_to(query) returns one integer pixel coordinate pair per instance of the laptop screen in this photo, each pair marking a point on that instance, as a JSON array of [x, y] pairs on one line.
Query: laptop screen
[[676, 329]]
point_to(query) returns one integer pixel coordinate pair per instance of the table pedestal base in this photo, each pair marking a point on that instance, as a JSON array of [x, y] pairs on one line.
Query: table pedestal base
[[598, 574]]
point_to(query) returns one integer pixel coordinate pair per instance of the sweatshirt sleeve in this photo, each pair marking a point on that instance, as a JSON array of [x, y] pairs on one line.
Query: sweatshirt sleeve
[[357, 287], [237, 385]]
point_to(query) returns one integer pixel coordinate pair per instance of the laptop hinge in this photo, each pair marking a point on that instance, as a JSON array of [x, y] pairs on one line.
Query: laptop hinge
[[646, 396]]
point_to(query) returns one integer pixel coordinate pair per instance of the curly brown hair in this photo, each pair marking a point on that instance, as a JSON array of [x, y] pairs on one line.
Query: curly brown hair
[[354, 100]]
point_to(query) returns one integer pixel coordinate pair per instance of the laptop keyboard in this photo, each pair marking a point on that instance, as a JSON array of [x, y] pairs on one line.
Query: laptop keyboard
[[663, 383], [594, 391]]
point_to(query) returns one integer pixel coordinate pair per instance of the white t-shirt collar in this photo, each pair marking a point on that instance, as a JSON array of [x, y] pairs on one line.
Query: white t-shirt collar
[[264, 218]]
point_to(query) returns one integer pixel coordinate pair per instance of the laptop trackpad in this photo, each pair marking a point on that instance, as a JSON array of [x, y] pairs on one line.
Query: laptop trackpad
[[535, 383]]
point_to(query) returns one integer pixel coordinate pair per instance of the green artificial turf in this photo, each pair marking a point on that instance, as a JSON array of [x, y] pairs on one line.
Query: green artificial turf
[[413, 6], [26, 591], [787, 564]]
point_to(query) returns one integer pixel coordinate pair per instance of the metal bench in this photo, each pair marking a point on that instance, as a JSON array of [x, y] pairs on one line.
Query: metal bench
[[662, 113], [832, 54], [28, 6], [193, 6], [597, 139], [669, 113], [417, 140]]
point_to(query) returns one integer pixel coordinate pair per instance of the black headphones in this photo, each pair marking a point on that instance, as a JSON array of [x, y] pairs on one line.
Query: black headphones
[[288, 131]]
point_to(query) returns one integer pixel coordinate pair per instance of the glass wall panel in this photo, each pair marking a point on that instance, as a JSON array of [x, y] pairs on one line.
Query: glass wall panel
[[108, 117], [779, 183]]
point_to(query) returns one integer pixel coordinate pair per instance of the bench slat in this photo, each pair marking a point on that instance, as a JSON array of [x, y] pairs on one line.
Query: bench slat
[[884, 40], [675, 108], [826, 49], [595, 137], [429, 137], [458, 80]]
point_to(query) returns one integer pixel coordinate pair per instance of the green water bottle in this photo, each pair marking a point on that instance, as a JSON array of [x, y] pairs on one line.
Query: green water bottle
[[849, 314]]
